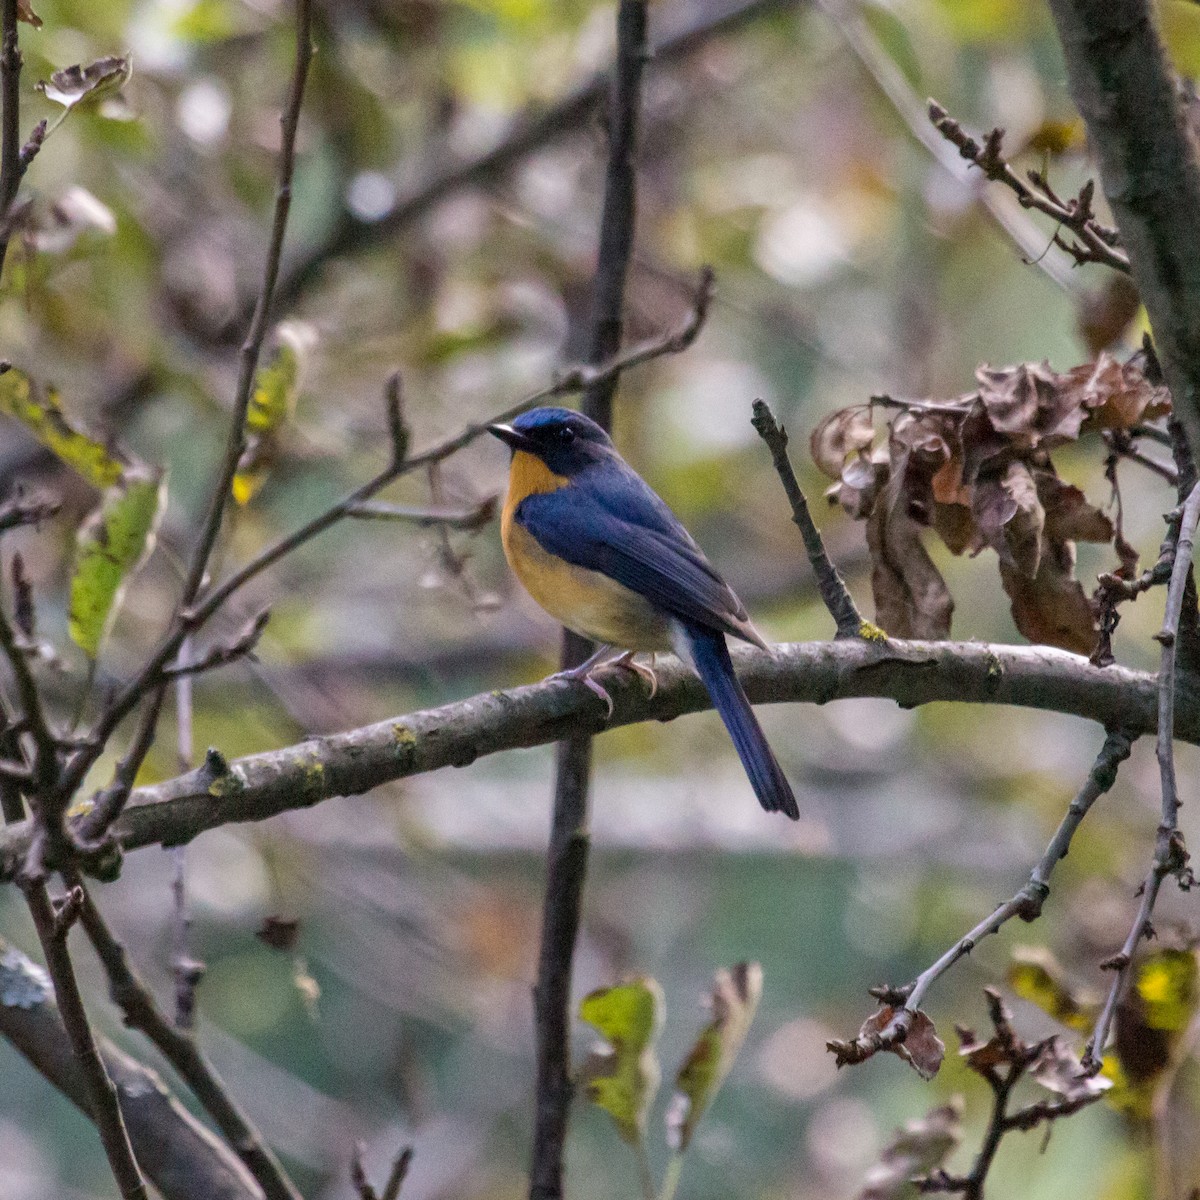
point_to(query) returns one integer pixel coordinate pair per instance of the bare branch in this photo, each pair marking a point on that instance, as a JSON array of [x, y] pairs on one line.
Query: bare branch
[[1026, 904], [141, 1012], [1099, 241], [221, 655], [832, 587], [11, 167], [428, 518], [180, 1156], [345, 764], [567, 855], [101, 1094]]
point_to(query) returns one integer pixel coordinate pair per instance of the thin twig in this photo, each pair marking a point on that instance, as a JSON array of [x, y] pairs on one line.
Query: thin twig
[[567, 854], [428, 518], [570, 382], [1002, 1063], [1004, 209], [289, 122], [1170, 853], [1026, 904], [1099, 242], [102, 1095], [221, 655], [395, 1180], [33, 715], [152, 678], [832, 587], [11, 169], [141, 1012]]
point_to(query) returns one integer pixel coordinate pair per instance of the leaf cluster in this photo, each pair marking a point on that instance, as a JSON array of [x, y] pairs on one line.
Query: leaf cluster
[[979, 471]]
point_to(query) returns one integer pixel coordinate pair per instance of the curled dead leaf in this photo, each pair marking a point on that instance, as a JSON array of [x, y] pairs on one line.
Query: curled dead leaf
[[842, 433]]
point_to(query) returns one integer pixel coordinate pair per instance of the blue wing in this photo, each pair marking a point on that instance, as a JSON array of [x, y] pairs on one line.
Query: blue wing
[[609, 520]]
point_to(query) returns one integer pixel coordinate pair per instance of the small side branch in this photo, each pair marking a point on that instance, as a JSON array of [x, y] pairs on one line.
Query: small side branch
[[1096, 242], [102, 1095], [1026, 904], [141, 1012], [832, 587], [395, 1181], [1170, 852], [1003, 1062]]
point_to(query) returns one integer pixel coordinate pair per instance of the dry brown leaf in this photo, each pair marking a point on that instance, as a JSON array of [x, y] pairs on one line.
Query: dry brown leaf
[[1051, 608], [911, 597], [25, 13], [1116, 395], [1105, 314], [1010, 517], [842, 433], [1069, 516]]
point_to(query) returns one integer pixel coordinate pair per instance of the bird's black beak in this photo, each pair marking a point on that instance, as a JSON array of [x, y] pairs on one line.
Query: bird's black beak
[[513, 437]]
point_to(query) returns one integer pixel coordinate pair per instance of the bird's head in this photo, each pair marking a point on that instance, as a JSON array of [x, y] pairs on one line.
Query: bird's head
[[565, 441]]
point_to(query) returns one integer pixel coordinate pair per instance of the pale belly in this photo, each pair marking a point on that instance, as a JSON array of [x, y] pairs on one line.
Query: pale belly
[[589, 603]]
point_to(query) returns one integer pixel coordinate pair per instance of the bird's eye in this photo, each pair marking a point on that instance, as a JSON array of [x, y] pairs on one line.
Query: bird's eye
[[566, 435]]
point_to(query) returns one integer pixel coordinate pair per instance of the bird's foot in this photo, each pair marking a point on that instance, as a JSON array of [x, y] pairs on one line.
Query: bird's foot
[[583, 674], [645, 671]]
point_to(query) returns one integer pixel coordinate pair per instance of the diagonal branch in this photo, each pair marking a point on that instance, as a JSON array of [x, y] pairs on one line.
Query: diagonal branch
[[181, 1157], [142, 1013], [831, 585], [1026, 904]]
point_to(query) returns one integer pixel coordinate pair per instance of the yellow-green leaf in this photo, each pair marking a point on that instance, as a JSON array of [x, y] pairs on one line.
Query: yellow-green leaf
[[735, 997], [44, 418], [1037, 976], [1150, 1028], [110, 545], [273, 400], [1167, 986], [623, 1076]]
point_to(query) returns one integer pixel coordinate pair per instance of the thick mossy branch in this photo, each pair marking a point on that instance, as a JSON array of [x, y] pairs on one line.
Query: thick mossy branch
[[912, 673]]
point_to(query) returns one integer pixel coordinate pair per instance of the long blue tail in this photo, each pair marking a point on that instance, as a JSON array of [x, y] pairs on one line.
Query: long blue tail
[[709, 655]]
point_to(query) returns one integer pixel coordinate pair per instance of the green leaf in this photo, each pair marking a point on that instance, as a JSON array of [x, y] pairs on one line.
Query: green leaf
[[44, 418], [80, 84], [623, 1076], [272, 402], [735, 997], [111, 544]]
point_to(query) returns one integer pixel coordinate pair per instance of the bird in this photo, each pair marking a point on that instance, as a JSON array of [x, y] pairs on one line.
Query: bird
[[601, 552]]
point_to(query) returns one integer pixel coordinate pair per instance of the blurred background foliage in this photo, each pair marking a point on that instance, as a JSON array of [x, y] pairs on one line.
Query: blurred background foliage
[[849, 260]]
